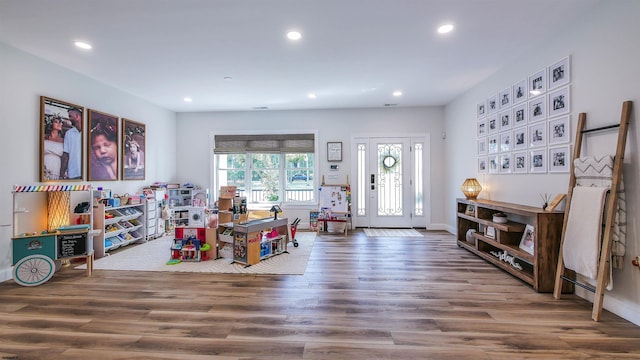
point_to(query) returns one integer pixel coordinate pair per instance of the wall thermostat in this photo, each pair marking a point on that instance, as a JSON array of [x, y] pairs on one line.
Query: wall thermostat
[[333, 167]]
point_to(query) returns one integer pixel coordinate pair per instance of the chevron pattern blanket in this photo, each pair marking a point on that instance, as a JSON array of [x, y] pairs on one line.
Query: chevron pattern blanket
[[598, 172]]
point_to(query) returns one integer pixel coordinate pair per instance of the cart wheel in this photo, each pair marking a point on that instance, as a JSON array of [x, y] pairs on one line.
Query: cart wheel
[[34, 270], [295, 244]]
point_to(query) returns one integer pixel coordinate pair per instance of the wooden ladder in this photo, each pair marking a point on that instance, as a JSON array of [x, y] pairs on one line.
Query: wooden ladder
[[611, 208]]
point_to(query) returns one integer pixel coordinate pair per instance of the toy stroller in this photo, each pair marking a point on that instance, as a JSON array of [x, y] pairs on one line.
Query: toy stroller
[[294, 228]]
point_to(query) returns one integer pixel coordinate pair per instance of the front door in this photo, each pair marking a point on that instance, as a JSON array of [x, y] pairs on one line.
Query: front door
[[384, 182]]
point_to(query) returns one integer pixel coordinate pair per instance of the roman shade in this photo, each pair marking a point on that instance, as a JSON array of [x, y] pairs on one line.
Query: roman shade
[[269, 143]]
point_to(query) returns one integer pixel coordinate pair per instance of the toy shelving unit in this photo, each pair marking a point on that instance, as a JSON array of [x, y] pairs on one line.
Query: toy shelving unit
[[38, 253]]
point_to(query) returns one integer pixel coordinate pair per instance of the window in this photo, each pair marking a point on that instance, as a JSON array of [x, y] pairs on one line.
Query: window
[[267, 168]]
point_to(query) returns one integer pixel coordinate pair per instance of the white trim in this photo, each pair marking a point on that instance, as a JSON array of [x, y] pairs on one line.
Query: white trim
[[626, 310]]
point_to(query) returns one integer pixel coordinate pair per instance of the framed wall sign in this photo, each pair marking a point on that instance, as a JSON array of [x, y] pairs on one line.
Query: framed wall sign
[[334, 151]]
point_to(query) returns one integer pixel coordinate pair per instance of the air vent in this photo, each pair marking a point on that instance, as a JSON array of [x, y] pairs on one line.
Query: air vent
[[260, 108], [387, 105]]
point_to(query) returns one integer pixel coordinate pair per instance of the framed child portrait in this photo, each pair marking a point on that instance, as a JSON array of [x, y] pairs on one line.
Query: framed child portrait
[[102, 146], [527, 243], [61, 139], [133, 150]]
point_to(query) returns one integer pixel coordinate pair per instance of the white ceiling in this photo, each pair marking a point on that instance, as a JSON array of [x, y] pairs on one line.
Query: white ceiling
[[353, 53]]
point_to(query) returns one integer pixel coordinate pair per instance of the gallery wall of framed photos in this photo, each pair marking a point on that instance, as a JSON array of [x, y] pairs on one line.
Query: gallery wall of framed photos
[[525, 127], [114, 146]]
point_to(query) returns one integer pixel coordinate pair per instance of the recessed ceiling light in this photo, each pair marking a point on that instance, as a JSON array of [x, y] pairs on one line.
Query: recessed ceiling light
[[445, 28], [397, 93], [312, 96], [294, 35], [228, 78], [188, 99], [82, 45]]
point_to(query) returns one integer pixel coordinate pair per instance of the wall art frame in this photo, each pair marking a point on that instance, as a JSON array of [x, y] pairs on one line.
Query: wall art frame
[[538, 161], [537, 109], [482, 146], [133, 150], [492, 162], [537, 83], [519, 115], [492, 104], [506, 141], [504, 98], [504, 118], [520, 162], [505, 163], [559, 73], [481, 127], [481, 109], [493, 146], [482, 165], [559, 130], [334, 151], [559, 101], [559, 159], [102, 146], [520, 138], [528, 241], [61, 141], [519, 91], [493, 125], [538, 135]]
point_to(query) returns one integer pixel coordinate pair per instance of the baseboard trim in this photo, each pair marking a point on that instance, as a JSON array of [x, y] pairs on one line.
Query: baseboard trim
[[627, 311], [6, 274]]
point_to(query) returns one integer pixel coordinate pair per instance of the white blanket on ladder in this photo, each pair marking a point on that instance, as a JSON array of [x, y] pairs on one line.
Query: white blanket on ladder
[[598, 172], [583, 235]]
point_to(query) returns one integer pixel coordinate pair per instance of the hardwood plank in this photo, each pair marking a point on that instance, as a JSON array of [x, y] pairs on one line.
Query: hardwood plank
[[360, 298]]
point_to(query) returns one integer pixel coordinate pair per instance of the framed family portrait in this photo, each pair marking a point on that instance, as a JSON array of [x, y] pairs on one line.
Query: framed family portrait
[[538, 135], [482, 146], [102, 146], [492, 104], [528, 241], [133, 150], [538, 161], [537, 83], [520, 138], [504, 98], [519, 116], [519, 91], [61, 139], [505, 163], [538, 109], [481, 109], [482, 165], [482, 127], [520, 162]]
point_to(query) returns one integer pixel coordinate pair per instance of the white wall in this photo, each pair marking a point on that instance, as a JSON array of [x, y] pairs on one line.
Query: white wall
[[23, 79], [195, 129], [605, 71]]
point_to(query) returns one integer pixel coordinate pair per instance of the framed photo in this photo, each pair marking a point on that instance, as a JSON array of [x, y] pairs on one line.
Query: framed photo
[[334, 151], [519, 115], [519, 91], [61, 139], [559, 73], [559, 131], [505, 141], [481, 109], [493, 126], [538, 161], [133, 150], [537, 83], [504, 98], [559, 101], [470, 210], [492, 104], [482, 146], [520, 162], [505, 163], [538, 109], [102, 146], [537, 135], [559, 159], [520, 138], [505, 119], [528, 241], [490, 232], [492, 161], [482, 127], [492, 144], [482, 165]]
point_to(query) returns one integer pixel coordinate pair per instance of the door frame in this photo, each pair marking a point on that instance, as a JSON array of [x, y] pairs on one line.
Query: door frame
[[417, 221]]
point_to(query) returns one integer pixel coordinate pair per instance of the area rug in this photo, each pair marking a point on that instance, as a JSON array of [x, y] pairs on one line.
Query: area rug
[[392, 232], [153, 256]]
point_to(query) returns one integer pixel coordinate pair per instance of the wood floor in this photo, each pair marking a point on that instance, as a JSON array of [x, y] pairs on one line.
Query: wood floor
[[361, 298]]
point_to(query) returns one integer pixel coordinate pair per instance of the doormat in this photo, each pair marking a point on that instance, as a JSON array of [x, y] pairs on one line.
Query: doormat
[[393, 232], [153, 256]]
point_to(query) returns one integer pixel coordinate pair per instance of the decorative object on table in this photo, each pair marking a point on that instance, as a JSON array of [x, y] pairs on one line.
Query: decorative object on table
[[545, 200], [470, 210], [275, 209], [555, 202], [471, 188], [469, 235], [528, 241], [490, 232], [500, 218], [509, 259]]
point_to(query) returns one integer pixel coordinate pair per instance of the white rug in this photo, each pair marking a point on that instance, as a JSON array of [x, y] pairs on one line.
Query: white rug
[[392, 232], [153, 256]]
